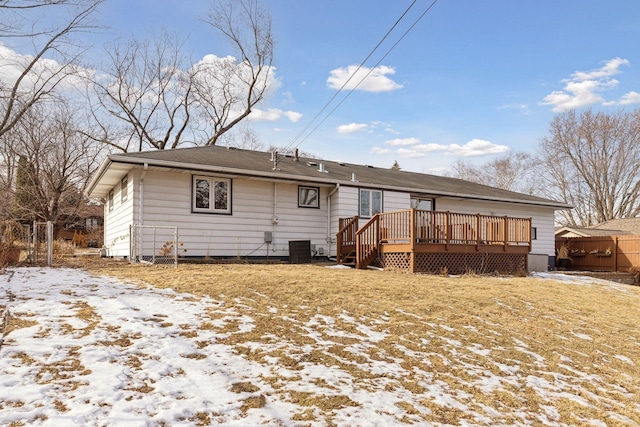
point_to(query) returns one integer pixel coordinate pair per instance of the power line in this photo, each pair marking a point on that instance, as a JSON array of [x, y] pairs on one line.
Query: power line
[[299, 134], [361, 80]]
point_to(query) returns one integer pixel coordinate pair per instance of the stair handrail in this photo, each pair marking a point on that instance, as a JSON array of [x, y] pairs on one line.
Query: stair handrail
[[367, 250], [346, 233]]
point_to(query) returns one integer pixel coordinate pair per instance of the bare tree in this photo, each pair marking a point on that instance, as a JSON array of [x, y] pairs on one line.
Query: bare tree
[[154, 98], [146, 95], [227, 90], [592, 159], [30, 78], [51, 163], [514, 171]]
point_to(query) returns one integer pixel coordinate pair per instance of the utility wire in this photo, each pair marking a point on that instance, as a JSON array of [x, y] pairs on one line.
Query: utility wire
[[361, 80], [299, 134]]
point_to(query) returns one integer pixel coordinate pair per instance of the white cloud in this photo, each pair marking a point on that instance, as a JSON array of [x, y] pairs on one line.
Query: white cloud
[[610, 68], [402, 141], [365, 79], [584, 87], [378, 150], [43, 73], [273, 114], [477, 147], [473, 148], [523, 108], [352, 128], [630, 98]]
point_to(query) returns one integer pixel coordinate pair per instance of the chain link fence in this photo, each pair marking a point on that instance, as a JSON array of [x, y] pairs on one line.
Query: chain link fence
[[154, 244], [42, 252]]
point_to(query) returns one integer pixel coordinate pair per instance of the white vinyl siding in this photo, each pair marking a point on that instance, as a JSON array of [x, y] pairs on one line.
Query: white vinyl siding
[[395, 201], [258, 207], [118, 217]]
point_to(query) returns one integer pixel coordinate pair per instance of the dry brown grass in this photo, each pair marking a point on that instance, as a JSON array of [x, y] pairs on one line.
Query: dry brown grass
[[456, 332]]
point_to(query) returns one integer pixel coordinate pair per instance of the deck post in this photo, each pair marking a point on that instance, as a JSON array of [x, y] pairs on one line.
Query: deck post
[[506, 232], [477, 232], [447, 231], [412, 239]]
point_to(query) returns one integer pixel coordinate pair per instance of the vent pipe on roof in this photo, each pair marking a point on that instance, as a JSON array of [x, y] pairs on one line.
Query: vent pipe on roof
[[295, 156], [274, 159], [353, 177]]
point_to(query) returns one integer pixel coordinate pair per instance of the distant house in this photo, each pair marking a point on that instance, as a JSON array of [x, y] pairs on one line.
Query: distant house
[[613, 227], [85, 221], [229, 202]]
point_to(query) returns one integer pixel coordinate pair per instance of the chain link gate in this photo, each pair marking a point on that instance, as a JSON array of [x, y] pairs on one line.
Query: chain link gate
[[154, 244], [42, 243]]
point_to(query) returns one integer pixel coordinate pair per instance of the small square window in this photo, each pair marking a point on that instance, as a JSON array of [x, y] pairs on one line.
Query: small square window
[[124, 189], [308, 197]]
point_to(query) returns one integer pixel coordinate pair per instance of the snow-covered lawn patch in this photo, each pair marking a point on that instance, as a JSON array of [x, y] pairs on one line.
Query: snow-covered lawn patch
[[257, 345]]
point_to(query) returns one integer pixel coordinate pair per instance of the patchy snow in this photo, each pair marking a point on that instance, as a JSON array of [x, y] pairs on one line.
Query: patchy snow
[[97, 351]]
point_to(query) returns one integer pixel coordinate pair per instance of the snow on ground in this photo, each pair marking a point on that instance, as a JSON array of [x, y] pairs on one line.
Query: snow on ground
[[94, 351]]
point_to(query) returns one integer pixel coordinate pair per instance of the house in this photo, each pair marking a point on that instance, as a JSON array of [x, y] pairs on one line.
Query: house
[[613, 227], [228, 202], [84, 223], [565, 232]]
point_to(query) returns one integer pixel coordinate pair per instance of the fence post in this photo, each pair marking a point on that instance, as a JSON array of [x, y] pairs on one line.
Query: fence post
[[615, 255], [153, 257], [176, 246], [49, 243], [35, 242]]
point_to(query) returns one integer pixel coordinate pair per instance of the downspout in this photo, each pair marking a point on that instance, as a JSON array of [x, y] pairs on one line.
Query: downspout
[[274, 219], [140, 207], [144, 172], [329, 239]]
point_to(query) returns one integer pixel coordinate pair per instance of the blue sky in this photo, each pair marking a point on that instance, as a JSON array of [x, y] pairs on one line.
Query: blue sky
[[471, 80]]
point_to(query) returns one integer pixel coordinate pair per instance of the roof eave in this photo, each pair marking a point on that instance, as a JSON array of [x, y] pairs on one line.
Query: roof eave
[[115, 158]]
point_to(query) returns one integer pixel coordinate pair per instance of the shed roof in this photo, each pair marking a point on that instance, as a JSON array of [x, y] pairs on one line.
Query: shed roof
[[239, 162]]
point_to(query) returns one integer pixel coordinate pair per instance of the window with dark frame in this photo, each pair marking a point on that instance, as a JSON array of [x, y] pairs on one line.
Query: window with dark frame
[[308, 197], [110, 200], [211, 195], [370, 202], [534, 233], [124, 188]]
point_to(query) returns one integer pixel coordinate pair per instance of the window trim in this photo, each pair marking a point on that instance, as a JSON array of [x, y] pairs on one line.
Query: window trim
[[124, 188], [315, 205], [212, 181], [371, 191], [110, 199], [534, 233]]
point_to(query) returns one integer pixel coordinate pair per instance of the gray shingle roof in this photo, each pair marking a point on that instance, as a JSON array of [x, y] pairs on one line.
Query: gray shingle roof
[[631, 225], [258, 163]]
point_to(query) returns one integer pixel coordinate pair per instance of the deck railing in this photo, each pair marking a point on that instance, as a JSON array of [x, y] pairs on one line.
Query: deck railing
[[417, 227]]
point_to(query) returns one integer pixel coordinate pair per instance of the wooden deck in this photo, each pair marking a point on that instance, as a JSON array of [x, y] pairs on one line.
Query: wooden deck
[[430, 241]]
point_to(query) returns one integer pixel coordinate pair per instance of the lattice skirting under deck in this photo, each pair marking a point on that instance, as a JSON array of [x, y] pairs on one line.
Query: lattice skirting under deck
[[455, 263]]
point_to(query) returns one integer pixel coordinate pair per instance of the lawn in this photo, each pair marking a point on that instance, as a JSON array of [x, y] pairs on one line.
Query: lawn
[[310, 345]]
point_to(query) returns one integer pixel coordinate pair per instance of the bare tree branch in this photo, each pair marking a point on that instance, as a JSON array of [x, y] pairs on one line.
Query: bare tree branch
[[38, 81], [592, 159]]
